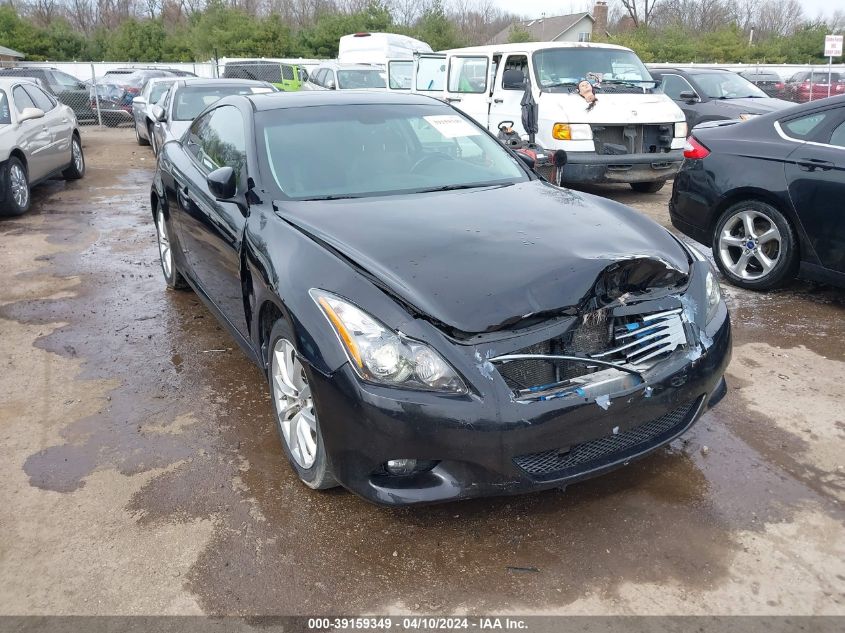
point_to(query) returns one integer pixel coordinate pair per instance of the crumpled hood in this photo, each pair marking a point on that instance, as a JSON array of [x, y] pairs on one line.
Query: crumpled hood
[[477, 260]]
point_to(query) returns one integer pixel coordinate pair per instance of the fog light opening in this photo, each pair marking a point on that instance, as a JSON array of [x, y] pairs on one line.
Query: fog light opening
[[405, 467]]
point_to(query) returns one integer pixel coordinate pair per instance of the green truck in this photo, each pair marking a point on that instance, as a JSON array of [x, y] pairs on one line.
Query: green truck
[[285, 76]]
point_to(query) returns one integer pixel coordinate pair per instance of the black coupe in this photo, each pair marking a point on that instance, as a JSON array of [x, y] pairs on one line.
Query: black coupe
[[435, 321], [768, 195]]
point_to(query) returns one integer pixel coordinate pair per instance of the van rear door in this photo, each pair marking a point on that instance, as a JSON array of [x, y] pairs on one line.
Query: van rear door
[[467, 85]]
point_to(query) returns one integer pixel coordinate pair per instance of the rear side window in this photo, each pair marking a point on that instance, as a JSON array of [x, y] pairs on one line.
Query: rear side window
[[42, 99], [287, 73], [5, 114], [803, 127]]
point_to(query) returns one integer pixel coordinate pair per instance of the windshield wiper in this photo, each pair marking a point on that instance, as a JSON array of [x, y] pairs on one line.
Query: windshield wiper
[[331, 197], [455, 187], [560, 84]]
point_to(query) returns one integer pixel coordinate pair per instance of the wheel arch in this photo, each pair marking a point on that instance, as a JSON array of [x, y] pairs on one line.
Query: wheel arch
[[19, 154]]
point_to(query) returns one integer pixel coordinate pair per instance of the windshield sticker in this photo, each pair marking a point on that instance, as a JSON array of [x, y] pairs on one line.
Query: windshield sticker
[[452, 126]]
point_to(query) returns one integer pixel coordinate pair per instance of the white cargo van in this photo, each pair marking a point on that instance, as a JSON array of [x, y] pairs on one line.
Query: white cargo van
[[633, 133], [377, 48]]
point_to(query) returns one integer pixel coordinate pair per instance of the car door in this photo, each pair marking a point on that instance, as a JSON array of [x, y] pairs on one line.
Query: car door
[[211, 230], [815, 173], [58, 125], [466, 86], [506, 97], [34, 137]]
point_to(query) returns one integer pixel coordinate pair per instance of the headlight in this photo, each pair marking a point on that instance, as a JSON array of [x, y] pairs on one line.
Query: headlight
[[572, 132], [380, 355], [714, 295], [747, 115], [681, 129]]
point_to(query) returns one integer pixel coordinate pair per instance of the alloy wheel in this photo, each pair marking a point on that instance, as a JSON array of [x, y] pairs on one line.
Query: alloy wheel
[[78, 160], [20, 187], [294, 404], [750, 245], [164, 245]]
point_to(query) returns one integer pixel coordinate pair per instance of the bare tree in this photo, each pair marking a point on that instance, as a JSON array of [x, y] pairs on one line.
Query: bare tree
[[779, 17], [641, 11]]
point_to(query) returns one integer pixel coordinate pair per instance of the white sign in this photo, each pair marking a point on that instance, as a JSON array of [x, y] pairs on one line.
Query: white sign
[[452, 126], [833, 46]]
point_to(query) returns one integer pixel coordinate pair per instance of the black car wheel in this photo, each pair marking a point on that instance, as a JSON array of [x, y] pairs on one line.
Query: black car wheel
[[755, 246], [296, 414], [76, 169], [648, 187], [141, 141], [17, 188], [172, 275]]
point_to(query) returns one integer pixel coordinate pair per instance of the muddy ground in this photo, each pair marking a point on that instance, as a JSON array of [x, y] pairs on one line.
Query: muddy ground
[[140, 472]]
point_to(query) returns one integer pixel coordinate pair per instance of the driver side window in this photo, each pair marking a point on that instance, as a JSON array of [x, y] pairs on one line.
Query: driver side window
[[674, 85], [217, 139]]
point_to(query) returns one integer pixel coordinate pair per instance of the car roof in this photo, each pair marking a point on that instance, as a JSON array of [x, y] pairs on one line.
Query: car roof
[[340, 66], [9, 81], [689, 71], [310, 98], [206, 82]]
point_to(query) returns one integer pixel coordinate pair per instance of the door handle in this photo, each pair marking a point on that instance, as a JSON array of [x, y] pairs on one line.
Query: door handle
[[453, 99], [498, 100], [809, 164]]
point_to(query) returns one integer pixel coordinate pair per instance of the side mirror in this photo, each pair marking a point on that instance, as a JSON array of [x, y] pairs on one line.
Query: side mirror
[[222, 183], [158, 112], [28, 114], [689, 96], [139, 100], [330, 84]]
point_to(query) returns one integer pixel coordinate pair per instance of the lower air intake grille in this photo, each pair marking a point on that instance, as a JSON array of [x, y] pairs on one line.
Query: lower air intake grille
[[582, 457]]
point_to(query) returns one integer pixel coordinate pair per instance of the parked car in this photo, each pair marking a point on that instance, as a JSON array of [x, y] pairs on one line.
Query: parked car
[[766, 80], [705, 94], [425, 339], [597, 102], [806, 86], [117, 88], [142, 106], [186, 98], [39, 139], [767, 195], [64, 87], [336, 76], [285, 76]]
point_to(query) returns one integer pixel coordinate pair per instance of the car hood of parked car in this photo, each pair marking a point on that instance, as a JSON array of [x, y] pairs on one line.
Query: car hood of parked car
[[756, 105], [493, 258]]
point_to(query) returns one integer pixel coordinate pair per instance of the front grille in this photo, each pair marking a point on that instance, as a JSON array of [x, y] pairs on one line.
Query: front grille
[[618, 140], [583, 457], [646, 337], [522, 374]]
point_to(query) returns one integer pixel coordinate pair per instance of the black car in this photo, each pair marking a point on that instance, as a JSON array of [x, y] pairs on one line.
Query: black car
[[435, 321], [66, 88], [768, 195], [766, 80], [714, 95]]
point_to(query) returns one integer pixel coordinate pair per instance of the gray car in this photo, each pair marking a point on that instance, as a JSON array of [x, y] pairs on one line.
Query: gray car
[[188, 97], [709, 94], [336, 76], [142, 106], [39, 139]]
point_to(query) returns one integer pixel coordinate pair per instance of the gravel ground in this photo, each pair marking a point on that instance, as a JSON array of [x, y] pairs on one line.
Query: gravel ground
[[140, 472]]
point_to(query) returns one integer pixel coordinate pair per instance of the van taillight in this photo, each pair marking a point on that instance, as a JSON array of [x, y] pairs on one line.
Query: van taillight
[[695, 150]]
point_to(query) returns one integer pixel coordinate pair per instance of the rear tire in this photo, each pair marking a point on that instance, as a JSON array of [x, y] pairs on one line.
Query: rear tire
[[755, 246], [141, 141], [172, 276], [17, 194], [648, 187], [296, 411], [76, 169]]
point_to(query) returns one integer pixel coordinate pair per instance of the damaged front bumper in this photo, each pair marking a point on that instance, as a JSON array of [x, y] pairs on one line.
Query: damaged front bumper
[[493, 441], [589, 167]]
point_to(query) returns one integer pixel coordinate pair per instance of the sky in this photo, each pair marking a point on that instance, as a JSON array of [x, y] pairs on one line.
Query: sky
[[534, 8]]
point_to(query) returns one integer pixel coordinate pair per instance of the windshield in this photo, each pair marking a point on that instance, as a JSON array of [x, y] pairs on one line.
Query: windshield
[[726, 85], [5, 114], [357, 79], [158, 90], [564, 67], [189, 102], [380, 150]]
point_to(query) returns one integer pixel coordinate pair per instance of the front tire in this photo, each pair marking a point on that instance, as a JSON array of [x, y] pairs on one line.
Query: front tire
[[172, 276], [17, 189], [76, 169], [152, 136], [755, 246], [296, 412], [141, 141], [648, 187]]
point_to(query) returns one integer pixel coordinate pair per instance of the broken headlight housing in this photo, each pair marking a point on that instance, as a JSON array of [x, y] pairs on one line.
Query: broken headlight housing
[[380, 355], [714, 294]]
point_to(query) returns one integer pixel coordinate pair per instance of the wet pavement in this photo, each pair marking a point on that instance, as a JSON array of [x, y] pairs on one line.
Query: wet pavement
[[140, 470]]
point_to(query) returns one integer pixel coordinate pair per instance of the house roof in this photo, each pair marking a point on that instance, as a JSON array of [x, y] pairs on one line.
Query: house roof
[[554, 27], [8, 52]]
